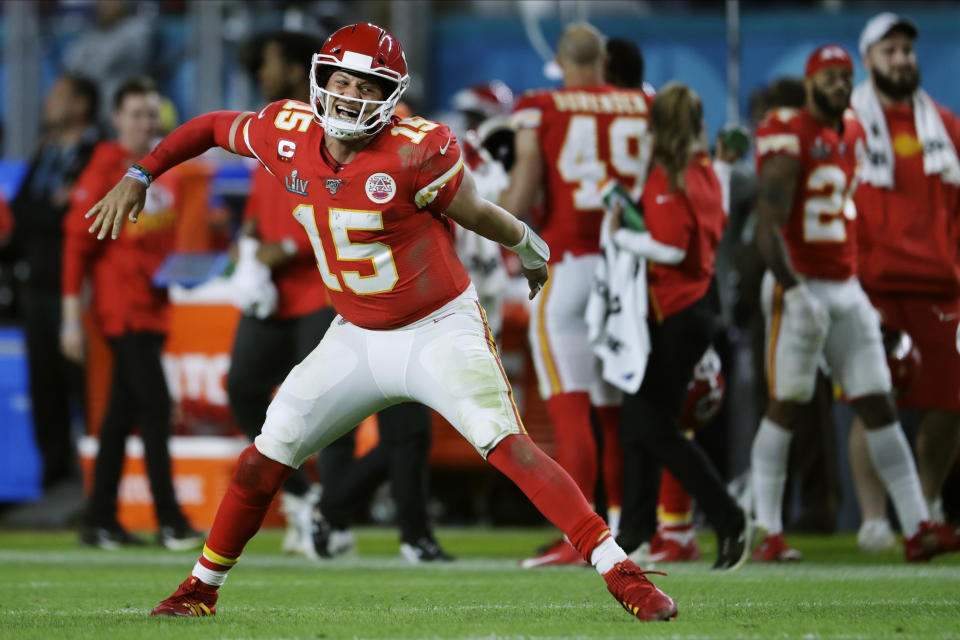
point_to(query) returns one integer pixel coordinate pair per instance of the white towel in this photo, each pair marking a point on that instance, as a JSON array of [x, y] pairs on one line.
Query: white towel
[[616, 314], [939, 154]]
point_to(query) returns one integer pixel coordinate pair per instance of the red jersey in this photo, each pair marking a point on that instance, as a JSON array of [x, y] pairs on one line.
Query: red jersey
[[909, 235], [587, 135], [820, 234], [691, 220], [300, 290], [383, 247], [124, 298]]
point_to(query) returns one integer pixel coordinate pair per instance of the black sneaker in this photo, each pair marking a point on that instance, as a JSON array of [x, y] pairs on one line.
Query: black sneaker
[[425, 549], [733, 549], [179, 537], [318, 544], [109, 537]]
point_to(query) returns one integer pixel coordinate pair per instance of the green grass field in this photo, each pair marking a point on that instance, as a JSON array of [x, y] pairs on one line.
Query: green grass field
[[51, 588]]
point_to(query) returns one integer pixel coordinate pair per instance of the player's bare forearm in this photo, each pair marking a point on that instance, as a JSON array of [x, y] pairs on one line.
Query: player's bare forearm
[[473, 212], [777, 185], [525, 176]]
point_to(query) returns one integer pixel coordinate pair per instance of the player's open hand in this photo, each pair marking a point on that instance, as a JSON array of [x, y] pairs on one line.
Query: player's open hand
[[125, 200], [536, 278]]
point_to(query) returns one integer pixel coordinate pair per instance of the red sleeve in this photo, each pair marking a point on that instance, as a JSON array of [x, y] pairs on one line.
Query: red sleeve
[[666, 213], [79, 246], [528, 111], [440, 170], [219, 128], [775, 136], [252, 207]]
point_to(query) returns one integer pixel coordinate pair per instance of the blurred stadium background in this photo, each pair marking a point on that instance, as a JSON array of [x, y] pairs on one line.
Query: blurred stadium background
[[194, 49]]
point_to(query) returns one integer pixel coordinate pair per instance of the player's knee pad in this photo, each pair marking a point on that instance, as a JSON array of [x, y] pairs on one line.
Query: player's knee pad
[[283, 433], [258, 477]]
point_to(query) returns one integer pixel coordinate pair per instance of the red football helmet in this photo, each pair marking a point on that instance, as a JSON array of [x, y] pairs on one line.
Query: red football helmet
[[360, 49], [490, 100], [704, 393], [903, 359]]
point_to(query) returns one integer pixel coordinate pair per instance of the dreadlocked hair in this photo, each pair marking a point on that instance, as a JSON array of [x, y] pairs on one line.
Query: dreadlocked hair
[[677, 122]]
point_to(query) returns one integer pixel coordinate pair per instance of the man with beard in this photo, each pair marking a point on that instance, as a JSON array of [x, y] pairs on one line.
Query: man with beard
[[908, 199], [815, 307]]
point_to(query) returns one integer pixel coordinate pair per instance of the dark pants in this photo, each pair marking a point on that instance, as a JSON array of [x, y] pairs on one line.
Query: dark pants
[[264, 352], [813, 463], [400, 456], [54, 382], [651, 436], [138, 397]]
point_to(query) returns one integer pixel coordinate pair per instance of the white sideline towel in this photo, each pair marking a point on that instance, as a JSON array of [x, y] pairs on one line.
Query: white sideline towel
[[939, 154], [616, 314]]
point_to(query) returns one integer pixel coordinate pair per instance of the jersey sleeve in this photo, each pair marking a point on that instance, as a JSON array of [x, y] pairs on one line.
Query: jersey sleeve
[[254, 204], [440, 170], [528, 111], [273, 133], [778, 135], [667, 213]]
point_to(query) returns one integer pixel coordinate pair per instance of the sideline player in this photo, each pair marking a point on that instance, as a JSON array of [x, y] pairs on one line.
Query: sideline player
[[807, 159], [132, 314], [568, 141], [409, 325], [909, 200]]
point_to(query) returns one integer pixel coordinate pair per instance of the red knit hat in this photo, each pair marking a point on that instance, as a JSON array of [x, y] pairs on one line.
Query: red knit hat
[[828, 55]]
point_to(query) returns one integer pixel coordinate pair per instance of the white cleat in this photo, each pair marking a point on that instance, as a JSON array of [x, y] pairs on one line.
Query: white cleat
[[875, 535]]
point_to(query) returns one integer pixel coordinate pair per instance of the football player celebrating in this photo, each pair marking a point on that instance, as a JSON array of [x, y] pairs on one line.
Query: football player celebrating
[[568, 141], [814, 305], [377, 194], [908, 199]]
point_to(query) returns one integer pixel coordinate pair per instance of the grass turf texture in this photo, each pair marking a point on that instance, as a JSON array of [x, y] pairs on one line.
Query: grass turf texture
[[50, 588]]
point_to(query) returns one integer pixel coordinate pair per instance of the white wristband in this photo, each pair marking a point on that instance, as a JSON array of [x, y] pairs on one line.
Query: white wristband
[[532, 250]]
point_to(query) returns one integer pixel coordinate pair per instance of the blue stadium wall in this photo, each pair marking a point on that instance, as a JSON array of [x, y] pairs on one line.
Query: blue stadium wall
[[468, 49]]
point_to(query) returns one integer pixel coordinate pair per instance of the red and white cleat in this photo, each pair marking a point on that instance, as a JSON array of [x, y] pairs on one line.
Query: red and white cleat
[[775, 549], [932, 539], [559, 553], [640, 597], [665, 548], [192, 598]]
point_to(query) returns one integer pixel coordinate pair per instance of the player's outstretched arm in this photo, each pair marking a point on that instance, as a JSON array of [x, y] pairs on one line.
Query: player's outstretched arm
[[127, 197], [471, 211]]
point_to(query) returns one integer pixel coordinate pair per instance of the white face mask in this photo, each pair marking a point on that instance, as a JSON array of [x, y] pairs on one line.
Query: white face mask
[[346, 126]]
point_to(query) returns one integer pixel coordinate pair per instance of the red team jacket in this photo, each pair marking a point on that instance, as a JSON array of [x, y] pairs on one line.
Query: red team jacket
[[582, 132], [909, 235], [383, 247], [692, 220], [124, 299], [820, 234], [300, 290]]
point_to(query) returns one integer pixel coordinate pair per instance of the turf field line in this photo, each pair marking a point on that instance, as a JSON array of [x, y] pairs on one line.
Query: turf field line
[[749, 574]]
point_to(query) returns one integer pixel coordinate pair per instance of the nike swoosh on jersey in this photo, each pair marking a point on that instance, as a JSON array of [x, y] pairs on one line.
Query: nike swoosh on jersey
[[443, 149]]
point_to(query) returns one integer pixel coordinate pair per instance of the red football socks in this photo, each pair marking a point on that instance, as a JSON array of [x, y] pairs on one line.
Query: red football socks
[[675, 508], [576, 448], [612, 463], [551, 490], [242, 510]]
